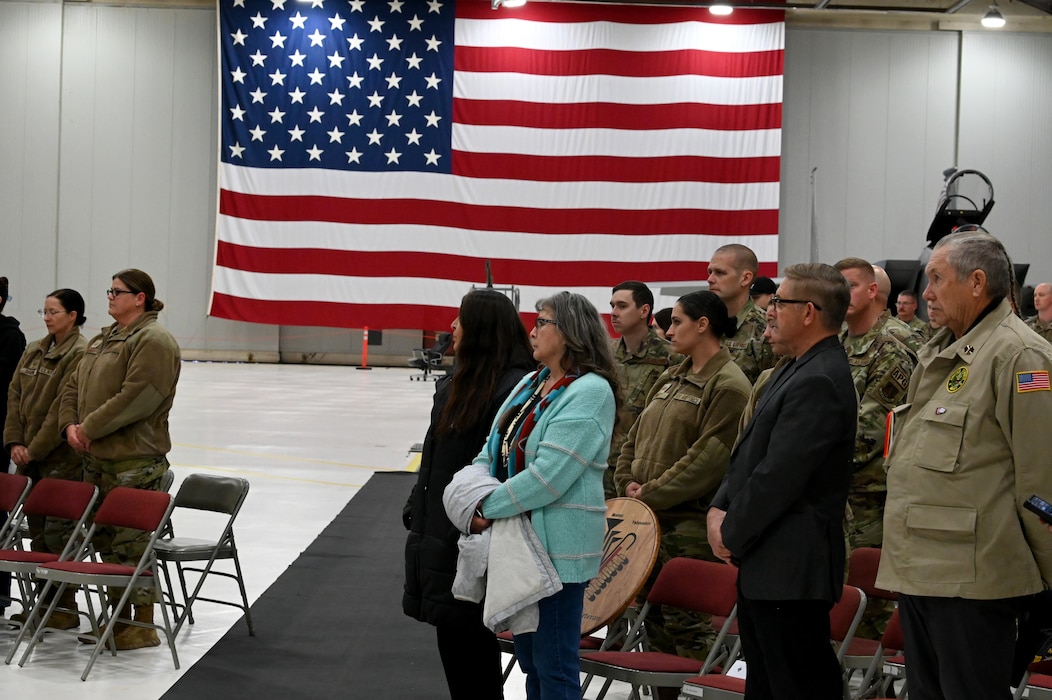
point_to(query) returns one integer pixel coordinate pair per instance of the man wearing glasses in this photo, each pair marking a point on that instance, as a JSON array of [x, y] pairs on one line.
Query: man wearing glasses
[[779, 513]]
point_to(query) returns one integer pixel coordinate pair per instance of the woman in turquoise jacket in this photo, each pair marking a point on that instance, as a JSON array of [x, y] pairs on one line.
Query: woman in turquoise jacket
[[551, 439]]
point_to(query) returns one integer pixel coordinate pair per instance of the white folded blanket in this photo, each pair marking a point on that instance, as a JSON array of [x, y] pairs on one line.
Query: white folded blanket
[[506, 564]]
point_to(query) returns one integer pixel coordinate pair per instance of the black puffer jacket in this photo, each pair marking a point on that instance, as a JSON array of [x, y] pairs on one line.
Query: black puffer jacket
[[12, 345], [431, 548]]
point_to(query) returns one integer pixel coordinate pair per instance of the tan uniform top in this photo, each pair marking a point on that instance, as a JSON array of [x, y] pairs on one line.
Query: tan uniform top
[[33, 399], [1042, 329], [966, 455], [123, 390], [637, 373], [748, 348], [680, 447]]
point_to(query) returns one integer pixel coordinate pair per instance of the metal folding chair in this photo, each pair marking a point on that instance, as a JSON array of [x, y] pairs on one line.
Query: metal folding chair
[[13, 491], [137, 509], [689, 584], [50, 498], [843, 621], [218, 494]]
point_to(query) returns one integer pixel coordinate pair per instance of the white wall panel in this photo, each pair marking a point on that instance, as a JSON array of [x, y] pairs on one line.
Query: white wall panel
[[874, 112], [1006, 100], [30, 40], [108, 138]]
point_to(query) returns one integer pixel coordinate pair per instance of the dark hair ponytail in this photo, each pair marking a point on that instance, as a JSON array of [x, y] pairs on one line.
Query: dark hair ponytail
[[708, 305]]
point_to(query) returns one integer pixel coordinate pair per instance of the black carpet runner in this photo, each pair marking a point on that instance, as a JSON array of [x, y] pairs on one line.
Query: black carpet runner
[[332, 625]]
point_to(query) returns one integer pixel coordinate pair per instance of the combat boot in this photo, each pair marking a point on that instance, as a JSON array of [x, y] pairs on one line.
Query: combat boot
[[125, 612], [135, 637], [61, 620]]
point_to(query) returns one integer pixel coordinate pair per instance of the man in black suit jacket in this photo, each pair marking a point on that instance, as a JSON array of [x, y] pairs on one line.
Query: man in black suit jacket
[[779, 514]]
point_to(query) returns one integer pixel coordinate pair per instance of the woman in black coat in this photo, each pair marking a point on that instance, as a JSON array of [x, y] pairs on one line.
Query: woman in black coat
[[12, 345], [493, 353]]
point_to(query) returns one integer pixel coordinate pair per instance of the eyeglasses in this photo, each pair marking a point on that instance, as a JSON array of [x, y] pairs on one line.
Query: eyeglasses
[[44, 313], [778, 301], [542, 322], [117, 292]]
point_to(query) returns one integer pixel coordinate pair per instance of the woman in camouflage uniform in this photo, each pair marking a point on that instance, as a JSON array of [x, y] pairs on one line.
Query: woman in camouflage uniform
[[31, 430], [114, 411]]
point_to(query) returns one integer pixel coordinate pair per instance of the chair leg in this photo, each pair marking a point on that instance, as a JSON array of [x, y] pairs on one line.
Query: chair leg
[[188, 611], [244, 596], [107, 636], [36, 622]]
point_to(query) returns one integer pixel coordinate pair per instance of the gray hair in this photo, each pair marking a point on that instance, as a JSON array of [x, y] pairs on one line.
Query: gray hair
[[968, 251], [588, 347], [824, 286]]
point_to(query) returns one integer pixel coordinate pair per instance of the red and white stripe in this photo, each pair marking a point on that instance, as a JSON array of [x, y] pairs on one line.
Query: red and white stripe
[[591, 144]]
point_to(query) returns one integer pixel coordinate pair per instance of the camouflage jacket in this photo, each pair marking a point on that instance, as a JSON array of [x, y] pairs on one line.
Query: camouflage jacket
[[901, 330], [748, 348], [921, 328], [881, 366], [1042, 329], [637, 373]]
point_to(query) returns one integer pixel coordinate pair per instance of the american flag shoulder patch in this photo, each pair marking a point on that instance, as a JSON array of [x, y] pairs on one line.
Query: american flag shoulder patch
[[1036, 380]]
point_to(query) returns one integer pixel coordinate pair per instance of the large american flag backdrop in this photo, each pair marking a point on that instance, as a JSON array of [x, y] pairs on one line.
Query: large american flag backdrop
[[376, 154]]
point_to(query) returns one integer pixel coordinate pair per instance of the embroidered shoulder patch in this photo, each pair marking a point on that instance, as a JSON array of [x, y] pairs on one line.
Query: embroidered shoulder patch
[[957, 380], [1036, 380]]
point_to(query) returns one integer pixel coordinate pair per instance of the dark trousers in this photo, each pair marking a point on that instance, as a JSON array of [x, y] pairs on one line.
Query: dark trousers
[[471, 659], [787, 650], [958, 649]]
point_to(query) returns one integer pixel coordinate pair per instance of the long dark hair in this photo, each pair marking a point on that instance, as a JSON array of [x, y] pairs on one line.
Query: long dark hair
[[493, 340]]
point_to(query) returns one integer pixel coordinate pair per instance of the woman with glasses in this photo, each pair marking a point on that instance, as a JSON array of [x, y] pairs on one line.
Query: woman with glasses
[[114, 411], [492, 354], [31, 430], [550, 442], [12, 343], [679, 449]]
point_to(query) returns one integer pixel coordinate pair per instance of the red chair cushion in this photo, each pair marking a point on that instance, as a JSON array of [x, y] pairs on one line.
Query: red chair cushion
[[23, 557], [729, 683], [1040, 680], [650, 661]]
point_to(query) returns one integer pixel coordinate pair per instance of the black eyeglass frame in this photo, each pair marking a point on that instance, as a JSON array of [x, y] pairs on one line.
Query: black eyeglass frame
[[777, 300], [540, 323]]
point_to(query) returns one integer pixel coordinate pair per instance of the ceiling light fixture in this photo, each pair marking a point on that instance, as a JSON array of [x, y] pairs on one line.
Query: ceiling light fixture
[[993, 19], [722, 9]]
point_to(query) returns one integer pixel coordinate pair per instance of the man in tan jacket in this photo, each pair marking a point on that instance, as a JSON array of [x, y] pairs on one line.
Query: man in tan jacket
[[966, 453]]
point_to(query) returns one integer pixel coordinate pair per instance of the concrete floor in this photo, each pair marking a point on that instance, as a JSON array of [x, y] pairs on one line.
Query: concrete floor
[[300, 434]]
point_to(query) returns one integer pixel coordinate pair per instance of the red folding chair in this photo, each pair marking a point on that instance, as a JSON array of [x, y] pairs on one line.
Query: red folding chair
[[843, 621], [689, 584], [50, 498], [137, 509], [13, 491]]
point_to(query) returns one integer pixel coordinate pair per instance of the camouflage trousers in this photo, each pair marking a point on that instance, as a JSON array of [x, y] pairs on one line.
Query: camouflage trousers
[[120, 545], [50, 534], [864, 527], [672, 630]]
